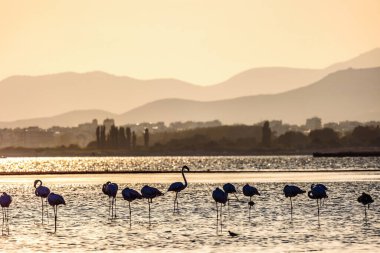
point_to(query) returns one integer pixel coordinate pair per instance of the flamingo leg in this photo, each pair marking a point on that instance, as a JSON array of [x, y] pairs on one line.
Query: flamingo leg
[[228, 207], [177, 205], [115, 207], [221, 217], [47, 210], [130, 214], [291, 204], [42, 205], [55, 219], [2, 225], [149, 211], [217, 217], [318, 207], [175, 201]]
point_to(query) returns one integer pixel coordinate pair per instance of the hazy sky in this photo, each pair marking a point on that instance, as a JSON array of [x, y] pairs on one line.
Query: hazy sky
[[203, 42]]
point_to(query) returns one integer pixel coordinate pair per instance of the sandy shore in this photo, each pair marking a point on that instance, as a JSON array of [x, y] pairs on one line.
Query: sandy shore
[[220, 177]]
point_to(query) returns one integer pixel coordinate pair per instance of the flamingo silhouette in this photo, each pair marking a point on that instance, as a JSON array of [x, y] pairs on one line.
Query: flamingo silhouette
[[43, 193], [317, 192], [366, 200], [250, 191], [55, 200], [177, 187], [292, 191], [220, 197], [130, 195], [229, 189], [150, 193], [322, 186], [110, 189], [5, 201]]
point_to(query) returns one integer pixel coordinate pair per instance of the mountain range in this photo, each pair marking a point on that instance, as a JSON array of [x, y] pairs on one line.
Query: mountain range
[[335, 93]]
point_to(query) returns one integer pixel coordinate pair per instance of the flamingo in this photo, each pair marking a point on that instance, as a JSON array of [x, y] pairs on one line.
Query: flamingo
[[317, 192], [250, 191], [5, 201], [229, 188], [177, 187], [110, 189], [130, 195], [220, 197], [150, 193], [55, 200], [324, 188], [292, 191], [366, 200], [42, 192]]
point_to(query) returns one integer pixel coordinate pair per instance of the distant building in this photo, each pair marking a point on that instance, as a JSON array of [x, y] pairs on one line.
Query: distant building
[[313, 123]]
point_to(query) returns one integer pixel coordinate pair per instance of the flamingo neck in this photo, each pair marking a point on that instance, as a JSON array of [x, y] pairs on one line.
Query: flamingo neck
[[37, 182], [183, 175]]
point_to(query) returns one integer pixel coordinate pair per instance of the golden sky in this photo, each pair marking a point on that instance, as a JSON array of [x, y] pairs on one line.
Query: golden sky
[[199, 41]]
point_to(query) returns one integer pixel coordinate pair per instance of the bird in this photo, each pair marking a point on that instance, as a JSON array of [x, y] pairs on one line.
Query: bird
[[220, 197], [150, 193], [130, 195], [5, 202], [232, 234], [42, 192], [110, 189], [229, 189], [317, 192], [366, 200], [250, 191], [292, 191], [320, 186], [177, 187], [55, 200]]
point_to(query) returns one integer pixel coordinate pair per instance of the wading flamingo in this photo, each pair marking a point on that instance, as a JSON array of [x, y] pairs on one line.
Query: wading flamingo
[[150, 193], [130, 195], [177, 187], [55, 200], [42, 192]]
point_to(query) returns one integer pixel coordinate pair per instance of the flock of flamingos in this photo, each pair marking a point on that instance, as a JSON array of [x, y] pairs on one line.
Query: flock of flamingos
[[317, 192]]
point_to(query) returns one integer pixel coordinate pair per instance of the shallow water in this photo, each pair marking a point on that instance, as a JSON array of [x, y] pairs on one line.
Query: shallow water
[[196, 163], [84, 224]]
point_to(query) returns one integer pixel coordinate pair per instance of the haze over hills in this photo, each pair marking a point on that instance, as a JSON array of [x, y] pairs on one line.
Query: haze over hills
[[24, 97], [352, 94]]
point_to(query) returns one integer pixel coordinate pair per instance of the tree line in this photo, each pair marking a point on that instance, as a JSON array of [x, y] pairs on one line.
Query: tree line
[[118, 138], [237, 138]]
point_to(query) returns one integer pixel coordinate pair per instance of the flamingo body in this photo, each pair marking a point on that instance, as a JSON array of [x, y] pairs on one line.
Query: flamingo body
[[219, 196], [291, 191], [250, 191], [229, 188], [41, 191], [149, 192], [365, 199], [130, 194], [55, 199], [5, 200], [317, 192]]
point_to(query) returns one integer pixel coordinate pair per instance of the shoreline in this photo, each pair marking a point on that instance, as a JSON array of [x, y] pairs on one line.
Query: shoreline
[[125, 172], [198, 177]]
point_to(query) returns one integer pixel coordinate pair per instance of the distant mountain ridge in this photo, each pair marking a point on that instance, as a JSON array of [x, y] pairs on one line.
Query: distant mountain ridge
[[351, 94], [23, 97]]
